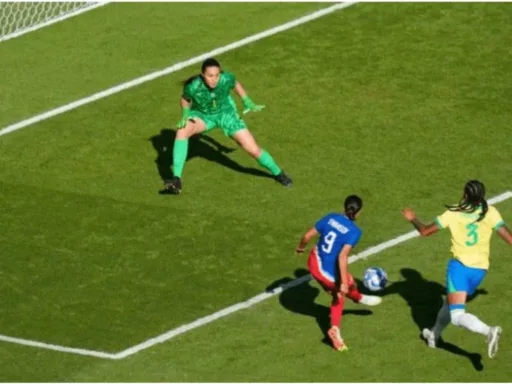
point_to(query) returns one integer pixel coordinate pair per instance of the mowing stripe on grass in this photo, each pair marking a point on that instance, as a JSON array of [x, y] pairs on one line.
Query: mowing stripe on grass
[[265, 295], [223, 312], [173, 68], [130, 84]]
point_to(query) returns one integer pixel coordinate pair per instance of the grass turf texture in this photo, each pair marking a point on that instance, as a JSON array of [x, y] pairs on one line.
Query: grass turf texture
[[400, 103]]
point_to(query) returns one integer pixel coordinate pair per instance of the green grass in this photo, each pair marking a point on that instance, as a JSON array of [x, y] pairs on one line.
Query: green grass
[[400, 103], [119, 42]]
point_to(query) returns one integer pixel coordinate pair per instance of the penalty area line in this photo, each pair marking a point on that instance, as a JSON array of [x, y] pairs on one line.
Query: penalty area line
[[266, 295], [223, 312]]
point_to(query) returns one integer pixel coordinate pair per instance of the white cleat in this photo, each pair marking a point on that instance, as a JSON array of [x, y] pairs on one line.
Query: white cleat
[[492, 341], [430, 337], [370, 300]]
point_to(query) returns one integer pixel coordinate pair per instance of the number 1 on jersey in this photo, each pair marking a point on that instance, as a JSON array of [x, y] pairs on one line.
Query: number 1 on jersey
[[329, 240]]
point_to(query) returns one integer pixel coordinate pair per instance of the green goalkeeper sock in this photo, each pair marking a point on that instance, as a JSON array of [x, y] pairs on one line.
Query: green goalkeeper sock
[[179, 156], [266, 161]]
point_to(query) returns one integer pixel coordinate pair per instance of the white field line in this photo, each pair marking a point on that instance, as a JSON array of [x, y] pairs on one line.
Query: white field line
[[265, 295], [59, 348], [52, 21], [173, 68], [130, 84], [223, 312]]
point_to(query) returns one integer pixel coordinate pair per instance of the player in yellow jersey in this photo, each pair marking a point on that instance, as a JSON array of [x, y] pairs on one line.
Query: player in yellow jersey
[[471, 223]]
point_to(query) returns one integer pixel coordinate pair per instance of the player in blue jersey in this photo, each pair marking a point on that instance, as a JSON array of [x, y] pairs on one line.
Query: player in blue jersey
[[328, 262]]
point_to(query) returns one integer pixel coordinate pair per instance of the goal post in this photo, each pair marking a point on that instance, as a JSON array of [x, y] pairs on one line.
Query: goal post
[[18, 18]]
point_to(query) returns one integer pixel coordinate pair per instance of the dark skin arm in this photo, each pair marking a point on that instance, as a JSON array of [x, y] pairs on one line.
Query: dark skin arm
[[505, 234], [423, 229]]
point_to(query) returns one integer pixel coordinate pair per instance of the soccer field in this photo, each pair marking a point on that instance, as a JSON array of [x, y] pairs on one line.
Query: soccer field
[[400, 103]]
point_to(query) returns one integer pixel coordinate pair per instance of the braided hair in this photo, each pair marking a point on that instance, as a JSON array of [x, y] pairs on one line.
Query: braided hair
[[473, 199]]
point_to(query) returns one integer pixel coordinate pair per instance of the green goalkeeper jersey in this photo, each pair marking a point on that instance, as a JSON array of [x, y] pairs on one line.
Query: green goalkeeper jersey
[[211, 101]]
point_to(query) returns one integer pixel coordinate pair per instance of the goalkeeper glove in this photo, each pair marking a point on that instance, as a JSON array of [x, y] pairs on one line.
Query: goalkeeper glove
[[250, 106], [184, 116]]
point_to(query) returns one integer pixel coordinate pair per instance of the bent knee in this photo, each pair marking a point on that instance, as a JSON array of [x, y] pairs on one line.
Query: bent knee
[[186, 132]]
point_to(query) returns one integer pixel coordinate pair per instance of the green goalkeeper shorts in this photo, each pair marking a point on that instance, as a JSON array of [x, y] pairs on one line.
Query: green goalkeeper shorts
[[229, 121]]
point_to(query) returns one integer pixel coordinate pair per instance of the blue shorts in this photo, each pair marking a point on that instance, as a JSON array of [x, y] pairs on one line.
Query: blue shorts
[[460, 278]]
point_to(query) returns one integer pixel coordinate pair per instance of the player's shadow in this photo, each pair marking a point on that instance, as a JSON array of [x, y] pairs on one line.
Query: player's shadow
[[425, 298], [301, 300], [199, 146]]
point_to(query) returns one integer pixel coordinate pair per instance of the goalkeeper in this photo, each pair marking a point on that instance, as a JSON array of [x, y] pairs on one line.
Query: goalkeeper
[[206, 103]]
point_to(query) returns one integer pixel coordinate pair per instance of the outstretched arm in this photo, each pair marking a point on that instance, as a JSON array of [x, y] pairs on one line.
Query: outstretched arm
[[306, 238], [240, 90], [505, 234], [423, 229], [249, 105]]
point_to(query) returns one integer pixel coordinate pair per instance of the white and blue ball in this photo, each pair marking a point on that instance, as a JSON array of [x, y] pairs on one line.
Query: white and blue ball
[[375, 278]]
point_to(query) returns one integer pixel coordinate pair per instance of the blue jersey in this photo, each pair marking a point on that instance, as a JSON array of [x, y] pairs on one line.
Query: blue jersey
[[336, 230]]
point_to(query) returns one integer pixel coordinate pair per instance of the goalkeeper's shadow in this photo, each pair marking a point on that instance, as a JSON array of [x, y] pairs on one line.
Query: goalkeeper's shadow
[[199, 146]]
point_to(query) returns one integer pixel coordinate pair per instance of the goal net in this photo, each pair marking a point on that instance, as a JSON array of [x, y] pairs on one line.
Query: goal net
[[18, 18]]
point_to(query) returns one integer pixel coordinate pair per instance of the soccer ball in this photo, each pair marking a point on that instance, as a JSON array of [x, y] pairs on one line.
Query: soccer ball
[[375, 278]]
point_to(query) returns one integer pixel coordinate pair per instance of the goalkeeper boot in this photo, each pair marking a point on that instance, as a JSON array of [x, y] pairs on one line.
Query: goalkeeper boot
[[173, 185], [284, 180]]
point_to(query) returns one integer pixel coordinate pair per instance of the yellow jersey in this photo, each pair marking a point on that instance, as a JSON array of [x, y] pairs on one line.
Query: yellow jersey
[[471, 240]]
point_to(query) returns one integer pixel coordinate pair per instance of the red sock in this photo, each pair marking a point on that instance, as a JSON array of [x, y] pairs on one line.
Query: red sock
[[354, 294], [337, 310]]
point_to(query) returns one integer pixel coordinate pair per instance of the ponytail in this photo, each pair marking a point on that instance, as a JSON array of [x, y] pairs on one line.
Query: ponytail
[[353, 205], [351, 213]]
